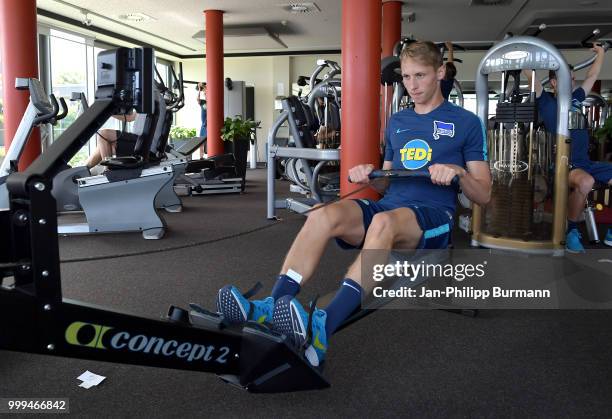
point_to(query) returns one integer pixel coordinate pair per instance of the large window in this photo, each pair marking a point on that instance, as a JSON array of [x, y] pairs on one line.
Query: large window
[[72, 71], [469, 103]]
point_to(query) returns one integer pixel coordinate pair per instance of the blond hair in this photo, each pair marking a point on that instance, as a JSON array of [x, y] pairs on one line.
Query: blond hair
[[425, 52]]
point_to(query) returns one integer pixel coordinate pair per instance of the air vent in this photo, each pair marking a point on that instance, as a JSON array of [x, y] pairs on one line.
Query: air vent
[[301, 8], [136, 17], [490, 2]]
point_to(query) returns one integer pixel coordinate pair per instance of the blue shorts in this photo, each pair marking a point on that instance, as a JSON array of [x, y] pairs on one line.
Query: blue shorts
[[436, 224], [600, 170]]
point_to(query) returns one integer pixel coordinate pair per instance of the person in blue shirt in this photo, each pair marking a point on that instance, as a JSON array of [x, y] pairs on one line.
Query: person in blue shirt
[[436, 136], [450, 72], [583, 172]]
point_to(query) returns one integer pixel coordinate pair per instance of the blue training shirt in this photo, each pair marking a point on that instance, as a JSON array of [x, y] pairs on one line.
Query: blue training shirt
[[448, 134], [547, 108]]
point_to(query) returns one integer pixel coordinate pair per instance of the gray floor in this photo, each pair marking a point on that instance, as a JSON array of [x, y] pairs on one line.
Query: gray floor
[[394, 363]]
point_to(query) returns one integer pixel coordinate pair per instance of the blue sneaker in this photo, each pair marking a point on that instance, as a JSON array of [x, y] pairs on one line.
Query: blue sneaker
[[291, 319], [237, 309], [608, 239], [572, 242]]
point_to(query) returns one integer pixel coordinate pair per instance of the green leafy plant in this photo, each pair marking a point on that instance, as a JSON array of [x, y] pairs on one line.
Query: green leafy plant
[[238, 128], [605, 131], [181, 133]]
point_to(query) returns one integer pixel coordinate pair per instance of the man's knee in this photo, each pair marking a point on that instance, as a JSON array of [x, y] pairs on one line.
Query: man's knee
[[382, 222], [583, 183], [386, 223], [108, 134], [326, 219]]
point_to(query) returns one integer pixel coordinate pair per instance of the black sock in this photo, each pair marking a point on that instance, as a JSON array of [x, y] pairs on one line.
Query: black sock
[[345, 302], [571, 225]]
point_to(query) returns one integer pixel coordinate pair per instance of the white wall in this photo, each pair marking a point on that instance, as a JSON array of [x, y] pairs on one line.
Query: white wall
[[271, 76], [254, 71], [304, 65]]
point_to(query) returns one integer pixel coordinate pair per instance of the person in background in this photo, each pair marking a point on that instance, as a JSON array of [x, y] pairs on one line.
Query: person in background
[[450, 72], [201, 87], [111, 142], [583, 172]]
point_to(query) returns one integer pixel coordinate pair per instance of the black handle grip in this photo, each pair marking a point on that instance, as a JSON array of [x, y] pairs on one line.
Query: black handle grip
[[54, 104], [404, 174], [48, 117], [64, 112]]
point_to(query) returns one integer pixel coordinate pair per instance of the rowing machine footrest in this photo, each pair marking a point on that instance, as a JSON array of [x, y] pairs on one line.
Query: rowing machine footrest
[[206, 319], [269, 364], [178, 315]]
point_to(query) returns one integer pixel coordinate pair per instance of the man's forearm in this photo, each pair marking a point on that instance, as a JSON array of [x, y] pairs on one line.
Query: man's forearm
[[477, 190], [595, 67]]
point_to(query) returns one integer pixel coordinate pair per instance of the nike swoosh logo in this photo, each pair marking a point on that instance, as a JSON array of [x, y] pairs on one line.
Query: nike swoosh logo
[[402, 130]]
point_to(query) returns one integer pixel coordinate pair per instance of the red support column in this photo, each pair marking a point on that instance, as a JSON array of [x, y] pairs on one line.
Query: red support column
[[214, 81], [361, 27], [391, 34], [19, 59]]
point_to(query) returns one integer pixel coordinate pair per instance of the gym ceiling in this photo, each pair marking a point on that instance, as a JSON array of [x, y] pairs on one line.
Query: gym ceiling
[[281, 26]]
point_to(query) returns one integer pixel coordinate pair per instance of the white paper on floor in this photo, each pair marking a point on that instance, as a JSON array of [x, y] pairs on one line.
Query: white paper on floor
[[89, 379]]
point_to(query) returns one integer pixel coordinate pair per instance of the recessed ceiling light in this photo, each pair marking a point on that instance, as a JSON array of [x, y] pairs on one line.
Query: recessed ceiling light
[[136, 17]]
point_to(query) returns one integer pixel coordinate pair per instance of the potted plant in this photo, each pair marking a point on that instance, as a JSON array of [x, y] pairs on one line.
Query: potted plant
[[181, 133], [237, 134]]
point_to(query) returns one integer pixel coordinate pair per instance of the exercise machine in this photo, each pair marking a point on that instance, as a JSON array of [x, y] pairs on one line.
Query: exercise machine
[[66, 183], [41, 109], [306, 159], [123, 198], [213, 175], [510, 221]]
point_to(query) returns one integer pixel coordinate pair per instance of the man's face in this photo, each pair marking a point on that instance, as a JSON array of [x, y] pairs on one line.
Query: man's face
[[421, 80]]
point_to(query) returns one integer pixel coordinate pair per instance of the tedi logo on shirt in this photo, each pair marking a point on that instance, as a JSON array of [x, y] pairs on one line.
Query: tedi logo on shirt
[[415, 154], [443, 128]]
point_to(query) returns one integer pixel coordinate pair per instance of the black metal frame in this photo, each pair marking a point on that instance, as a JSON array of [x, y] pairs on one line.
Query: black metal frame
[[35, 318]]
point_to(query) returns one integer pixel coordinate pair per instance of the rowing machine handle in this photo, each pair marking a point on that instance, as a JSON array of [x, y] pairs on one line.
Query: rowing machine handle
[[375, 174]]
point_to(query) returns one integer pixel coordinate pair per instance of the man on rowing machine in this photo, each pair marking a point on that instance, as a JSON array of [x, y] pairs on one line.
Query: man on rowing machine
[[437, 136]]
